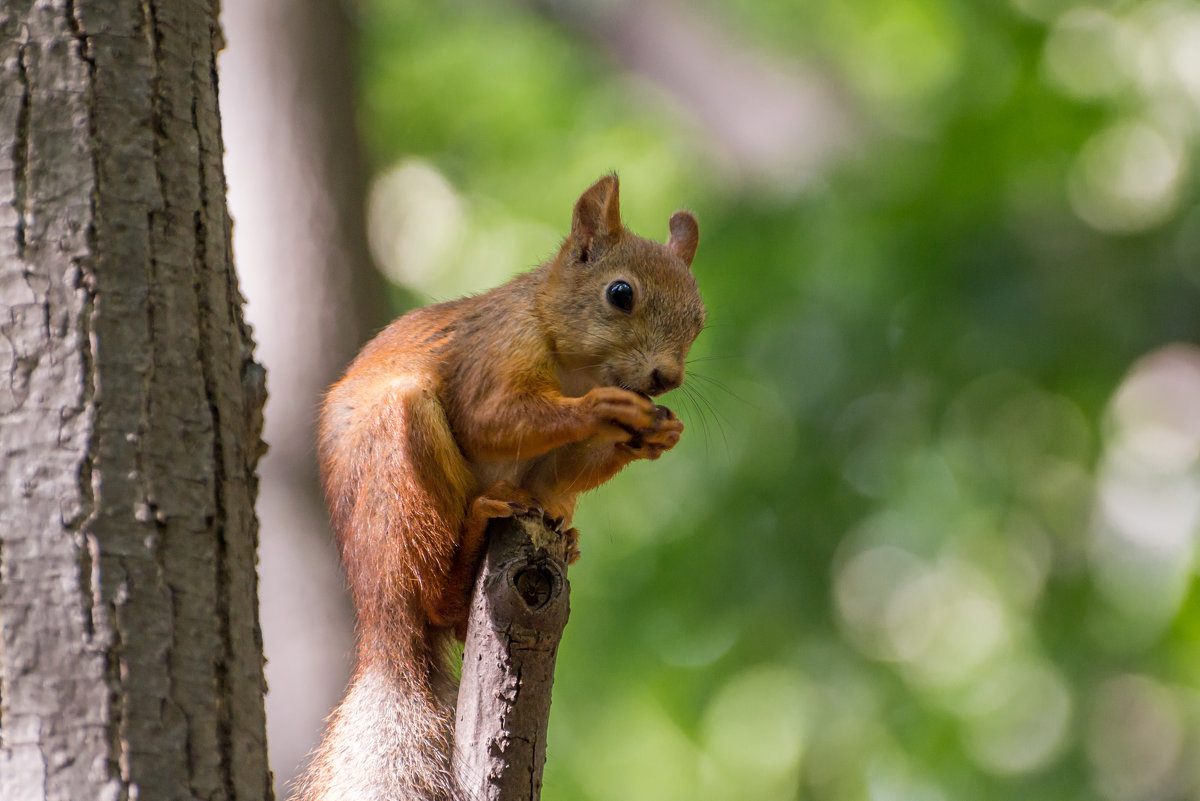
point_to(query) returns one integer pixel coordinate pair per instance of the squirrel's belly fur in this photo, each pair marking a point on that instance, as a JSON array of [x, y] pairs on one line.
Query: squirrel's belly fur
[[470, 410]]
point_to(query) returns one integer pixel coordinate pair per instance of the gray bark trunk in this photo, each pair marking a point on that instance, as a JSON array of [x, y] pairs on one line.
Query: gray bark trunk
[[518, 611], [130, 412]]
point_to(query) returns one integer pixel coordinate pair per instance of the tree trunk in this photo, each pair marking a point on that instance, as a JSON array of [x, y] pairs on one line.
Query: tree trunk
[[131, 659]]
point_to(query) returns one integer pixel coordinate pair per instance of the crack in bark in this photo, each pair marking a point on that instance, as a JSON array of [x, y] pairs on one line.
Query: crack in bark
[[75, 25], [21, 150], [159, 231], [89, 504], [218, 522], [118, 760], [159, 96], [96, 606], [533, 771], [146, 412]]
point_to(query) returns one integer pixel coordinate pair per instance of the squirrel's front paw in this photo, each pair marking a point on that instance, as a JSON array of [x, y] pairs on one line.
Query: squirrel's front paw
[[653, 442], [620, 414]]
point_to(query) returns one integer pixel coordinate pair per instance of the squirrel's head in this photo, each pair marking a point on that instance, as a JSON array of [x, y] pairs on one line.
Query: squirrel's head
[[625, 310]]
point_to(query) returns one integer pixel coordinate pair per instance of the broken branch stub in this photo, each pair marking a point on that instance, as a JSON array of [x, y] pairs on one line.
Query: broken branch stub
[[518, 612]]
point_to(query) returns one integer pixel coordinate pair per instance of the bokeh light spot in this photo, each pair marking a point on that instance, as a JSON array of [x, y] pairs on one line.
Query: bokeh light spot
[[754, 727], [1084, 52], [864, 589], [1148, 493], [1017, 716], [1134, 739], [415, 220], [946, 623], [1126, 178]]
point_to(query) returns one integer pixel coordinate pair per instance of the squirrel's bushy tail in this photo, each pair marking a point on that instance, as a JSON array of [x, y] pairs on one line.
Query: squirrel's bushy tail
[[397, 513], [389, 740]]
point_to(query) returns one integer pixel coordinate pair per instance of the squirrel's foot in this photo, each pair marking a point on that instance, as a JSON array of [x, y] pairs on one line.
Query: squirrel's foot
[[500, 500], [503, 499], [571, 536]]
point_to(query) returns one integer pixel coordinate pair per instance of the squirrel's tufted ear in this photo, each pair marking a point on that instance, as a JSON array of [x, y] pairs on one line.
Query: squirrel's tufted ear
[[685, 235], [597, 212]]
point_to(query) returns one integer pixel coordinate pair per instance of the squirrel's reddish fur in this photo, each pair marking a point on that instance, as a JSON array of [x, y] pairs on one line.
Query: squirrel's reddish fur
[[484, 407]]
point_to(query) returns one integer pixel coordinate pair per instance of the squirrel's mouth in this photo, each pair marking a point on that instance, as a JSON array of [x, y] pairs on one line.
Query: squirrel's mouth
[[652, 387], [648, 386], [644, 393]]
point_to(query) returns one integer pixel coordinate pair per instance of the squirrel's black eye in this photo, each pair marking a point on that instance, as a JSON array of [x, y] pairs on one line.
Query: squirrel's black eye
[[620, 294]]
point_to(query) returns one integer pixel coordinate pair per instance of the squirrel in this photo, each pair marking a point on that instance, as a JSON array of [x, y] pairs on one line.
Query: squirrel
[[490, 406]]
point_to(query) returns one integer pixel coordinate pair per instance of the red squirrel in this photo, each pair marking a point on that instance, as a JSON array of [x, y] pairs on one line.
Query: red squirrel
[[484, 407]]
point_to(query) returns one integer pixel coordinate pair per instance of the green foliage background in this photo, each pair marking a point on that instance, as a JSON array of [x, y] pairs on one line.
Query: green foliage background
[[931, 531]]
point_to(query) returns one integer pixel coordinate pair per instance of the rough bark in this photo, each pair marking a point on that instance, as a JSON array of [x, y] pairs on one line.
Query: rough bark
[[518, 612], [130, 406]]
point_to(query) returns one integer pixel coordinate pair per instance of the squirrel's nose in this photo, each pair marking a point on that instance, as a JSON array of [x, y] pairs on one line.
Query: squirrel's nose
[[662, 380]]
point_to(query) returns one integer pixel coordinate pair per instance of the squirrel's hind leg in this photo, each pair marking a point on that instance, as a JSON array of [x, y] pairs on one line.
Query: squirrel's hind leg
[[500, 500]]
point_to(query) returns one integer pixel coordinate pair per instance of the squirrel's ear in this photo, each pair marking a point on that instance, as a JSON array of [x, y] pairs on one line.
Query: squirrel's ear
[[598, 211], [685, 235]]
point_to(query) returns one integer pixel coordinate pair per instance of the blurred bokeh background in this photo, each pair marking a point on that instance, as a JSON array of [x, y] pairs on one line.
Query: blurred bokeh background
[[931, 533]]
